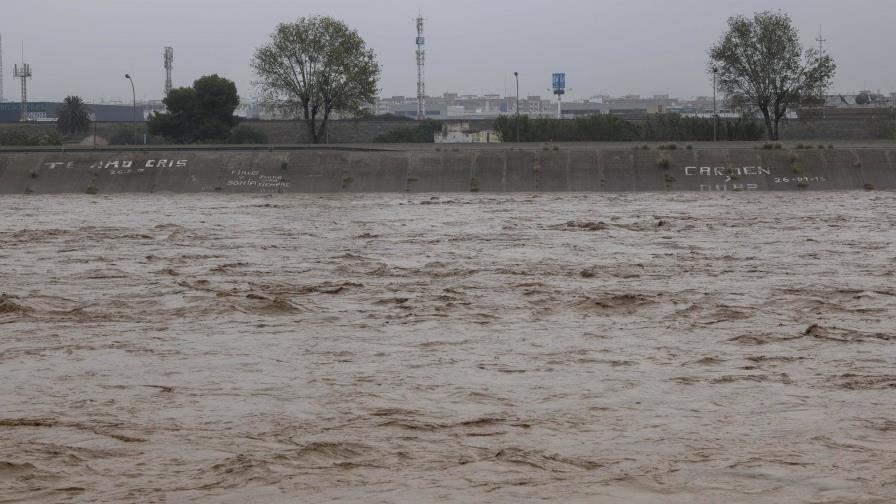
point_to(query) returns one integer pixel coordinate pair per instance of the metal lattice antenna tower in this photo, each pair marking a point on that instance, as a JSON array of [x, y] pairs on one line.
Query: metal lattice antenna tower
[[821, 40], [421, 64], [169, 66], [23, 72]]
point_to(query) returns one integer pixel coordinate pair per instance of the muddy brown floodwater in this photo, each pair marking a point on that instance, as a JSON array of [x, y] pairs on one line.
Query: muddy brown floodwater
[[466, 348]]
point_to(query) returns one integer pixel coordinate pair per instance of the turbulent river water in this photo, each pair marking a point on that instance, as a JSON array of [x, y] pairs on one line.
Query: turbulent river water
[[461, 348]]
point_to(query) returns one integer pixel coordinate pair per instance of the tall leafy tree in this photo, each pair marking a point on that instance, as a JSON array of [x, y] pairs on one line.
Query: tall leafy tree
[[761, 65], [202, 113], [314, 67], [72, 116]]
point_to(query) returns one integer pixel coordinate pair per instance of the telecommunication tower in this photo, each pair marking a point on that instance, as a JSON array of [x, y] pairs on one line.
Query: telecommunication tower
[[821, 40], [23, 72], [421, 63], [169, 66]]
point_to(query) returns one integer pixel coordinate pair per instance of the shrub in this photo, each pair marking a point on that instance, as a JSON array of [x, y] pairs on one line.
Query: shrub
[[422, 132], [20, 138], [595, 128], [123, 136], [675, 127], [247, 135]]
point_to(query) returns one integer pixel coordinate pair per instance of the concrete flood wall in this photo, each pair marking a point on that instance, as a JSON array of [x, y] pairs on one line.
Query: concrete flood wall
[[464, 170]]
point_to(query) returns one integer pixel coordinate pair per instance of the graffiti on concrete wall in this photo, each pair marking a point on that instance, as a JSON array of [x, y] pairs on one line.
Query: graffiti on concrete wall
[[120, 166], [743, 178], [256, 179], [728, 173]]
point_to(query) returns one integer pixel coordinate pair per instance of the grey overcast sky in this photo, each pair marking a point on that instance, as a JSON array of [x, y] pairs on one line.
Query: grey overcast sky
[[616, 47]]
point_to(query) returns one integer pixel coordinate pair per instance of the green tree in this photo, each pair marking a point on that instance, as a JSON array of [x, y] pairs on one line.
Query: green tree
[[202, 113], [761, 65], [72, 116], [314, 67]]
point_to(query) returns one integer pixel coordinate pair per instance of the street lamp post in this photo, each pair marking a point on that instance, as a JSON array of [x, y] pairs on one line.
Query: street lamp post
[[134, 109], [517, 76], [715, 115]]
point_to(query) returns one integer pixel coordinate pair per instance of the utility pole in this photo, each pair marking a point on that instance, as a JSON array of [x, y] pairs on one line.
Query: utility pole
[[134, 109], [1, 68], [517, 76], [715, 114]]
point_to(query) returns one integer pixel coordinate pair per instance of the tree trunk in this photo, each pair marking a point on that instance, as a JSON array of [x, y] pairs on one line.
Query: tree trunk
[[771, 129], [315, 138], [325, 124], [322, 130], [310, 120]]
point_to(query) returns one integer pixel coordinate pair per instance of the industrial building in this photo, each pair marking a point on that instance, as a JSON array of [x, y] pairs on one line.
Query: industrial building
[[11, 112], [457, 106]]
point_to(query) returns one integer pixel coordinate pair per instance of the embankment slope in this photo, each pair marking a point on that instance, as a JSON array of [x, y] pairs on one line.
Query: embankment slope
[[592, 168]]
